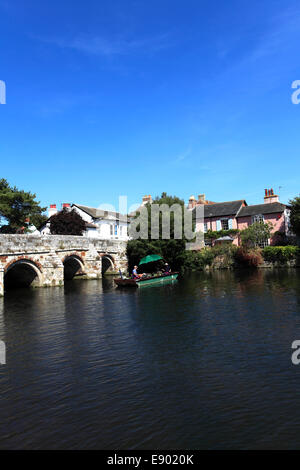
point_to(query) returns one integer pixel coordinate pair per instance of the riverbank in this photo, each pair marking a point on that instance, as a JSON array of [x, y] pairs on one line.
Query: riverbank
[[233, 257]]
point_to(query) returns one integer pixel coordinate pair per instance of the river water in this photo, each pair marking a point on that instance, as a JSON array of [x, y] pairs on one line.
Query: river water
[[204, 363]]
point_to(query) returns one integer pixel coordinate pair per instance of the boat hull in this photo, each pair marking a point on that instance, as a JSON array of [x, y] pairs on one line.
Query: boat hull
[[149, 281]]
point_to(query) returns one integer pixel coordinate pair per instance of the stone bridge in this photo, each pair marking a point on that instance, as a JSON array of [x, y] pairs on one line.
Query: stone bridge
[[44, 261]]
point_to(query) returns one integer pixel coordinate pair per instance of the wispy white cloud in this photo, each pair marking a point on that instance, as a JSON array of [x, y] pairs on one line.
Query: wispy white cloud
[[59, 103], [277, 45], [182, 156], [280, 38], [101, 46]]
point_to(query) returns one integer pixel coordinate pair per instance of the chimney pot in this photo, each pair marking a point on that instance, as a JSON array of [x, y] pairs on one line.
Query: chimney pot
[[270, 197], [52, 210], [147, 199]]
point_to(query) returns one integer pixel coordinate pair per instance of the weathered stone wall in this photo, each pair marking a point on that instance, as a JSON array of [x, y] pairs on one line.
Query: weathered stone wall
[[27, 243], [47, 254]]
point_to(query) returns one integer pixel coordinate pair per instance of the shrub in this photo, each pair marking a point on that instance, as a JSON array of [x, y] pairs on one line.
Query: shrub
[[279, 239], [193, 261], [256, 233], [295, 215], [280, 253], [249, 257], [224, 256]]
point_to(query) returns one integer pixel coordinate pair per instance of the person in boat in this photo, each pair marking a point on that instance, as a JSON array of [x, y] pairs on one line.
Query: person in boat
[[135, 274], [167, 268]]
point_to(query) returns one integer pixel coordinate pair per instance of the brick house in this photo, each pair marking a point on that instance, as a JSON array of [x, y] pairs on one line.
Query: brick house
[[239, 215]]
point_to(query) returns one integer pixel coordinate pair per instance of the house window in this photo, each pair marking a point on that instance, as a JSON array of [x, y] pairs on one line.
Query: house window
[[116, 230], [111, 230], [224, 224], [258, 218], [263, 243], [205, 228]]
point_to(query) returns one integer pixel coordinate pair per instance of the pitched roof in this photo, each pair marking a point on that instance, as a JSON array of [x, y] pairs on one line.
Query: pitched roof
[[99, 213], [269, 208], [220, 209], [89, 225]]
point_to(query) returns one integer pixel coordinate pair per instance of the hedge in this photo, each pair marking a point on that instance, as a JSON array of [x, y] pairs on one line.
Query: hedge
[[280, 253]]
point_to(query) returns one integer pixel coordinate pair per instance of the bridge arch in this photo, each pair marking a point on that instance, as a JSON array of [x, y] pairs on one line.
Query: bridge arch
[[108, 263], [23, 272], [73, 264]]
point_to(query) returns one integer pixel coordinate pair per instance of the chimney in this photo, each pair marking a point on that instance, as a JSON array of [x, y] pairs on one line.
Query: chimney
[[270, 196], [201, 199], [192, 202], [52, 210], [66, 205], [147, 199]]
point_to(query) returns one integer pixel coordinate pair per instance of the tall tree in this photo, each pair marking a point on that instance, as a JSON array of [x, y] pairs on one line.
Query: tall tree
[[67, 222], [16, 206], [172, 249], [295, 215]]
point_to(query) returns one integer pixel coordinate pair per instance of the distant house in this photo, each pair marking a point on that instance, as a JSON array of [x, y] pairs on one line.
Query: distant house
[[217, 215], [101, 224], [272, 211], [238, 215]]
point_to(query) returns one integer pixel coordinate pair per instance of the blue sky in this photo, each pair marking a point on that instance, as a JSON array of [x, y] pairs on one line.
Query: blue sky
[[121, 97]]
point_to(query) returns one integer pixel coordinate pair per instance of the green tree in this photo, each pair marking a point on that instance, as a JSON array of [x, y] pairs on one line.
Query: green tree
[[295, 215], [67, 222], [256, 234], [172, 250], [16, 206]]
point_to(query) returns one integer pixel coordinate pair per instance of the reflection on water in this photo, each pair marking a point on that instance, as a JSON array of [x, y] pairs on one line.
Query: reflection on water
[[202, 363]]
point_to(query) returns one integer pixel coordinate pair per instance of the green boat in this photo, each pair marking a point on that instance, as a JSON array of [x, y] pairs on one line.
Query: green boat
[[147, 280]]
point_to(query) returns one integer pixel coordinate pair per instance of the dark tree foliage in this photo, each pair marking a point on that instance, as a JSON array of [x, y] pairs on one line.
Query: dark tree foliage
[[295, 215], [67, 222], [172, 250], [16, 206]]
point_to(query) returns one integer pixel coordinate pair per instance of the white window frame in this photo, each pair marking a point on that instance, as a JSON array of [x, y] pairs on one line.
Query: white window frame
[[264, 243], [224, 220], [258, 218]]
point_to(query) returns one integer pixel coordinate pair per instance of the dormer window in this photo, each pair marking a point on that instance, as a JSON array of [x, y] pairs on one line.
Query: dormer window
[[258, 218]]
